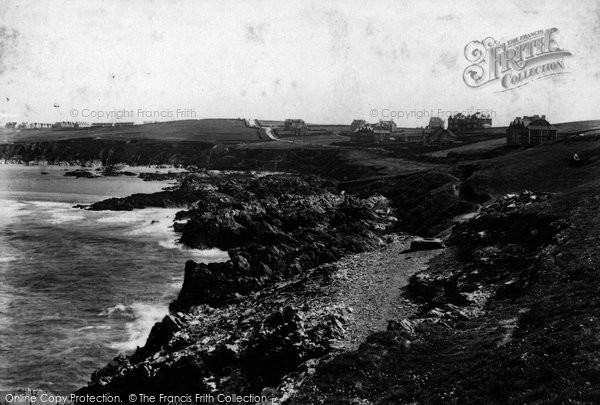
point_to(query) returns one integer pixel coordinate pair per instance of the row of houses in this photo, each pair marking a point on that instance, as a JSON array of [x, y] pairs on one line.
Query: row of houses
[[460, 122], [65, 125], [522, 131], [456, 123], [381, 125], [387, 131], [27, 125], [428, 137]]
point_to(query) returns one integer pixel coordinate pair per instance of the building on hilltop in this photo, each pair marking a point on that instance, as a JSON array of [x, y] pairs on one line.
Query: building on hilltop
[[389, 126], [28, 125], [294, 127], [461, 122], [439, 137], [358, 124], [435, 122], [534, 130], [370, 135], [64, 125]]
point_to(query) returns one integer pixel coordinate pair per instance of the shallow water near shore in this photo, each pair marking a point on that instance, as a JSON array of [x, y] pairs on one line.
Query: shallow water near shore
[[77, 287]]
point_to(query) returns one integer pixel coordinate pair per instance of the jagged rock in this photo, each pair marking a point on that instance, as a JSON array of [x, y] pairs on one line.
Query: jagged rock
[[426, 244], [162, 332], [81, 173], [272, 233], [424, 285]]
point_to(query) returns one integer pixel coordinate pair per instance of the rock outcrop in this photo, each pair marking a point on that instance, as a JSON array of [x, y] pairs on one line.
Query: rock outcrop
[[241, 348], [242, 325], [275, 228]]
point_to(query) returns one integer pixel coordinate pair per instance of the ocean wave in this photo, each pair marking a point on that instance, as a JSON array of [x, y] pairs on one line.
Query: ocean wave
[[145, 316], [59, 212], [118, 309], [7, 259], [199, 255], [62, 217], [53, 204], [53, 317], [118, 219], [12, 209], [95, 327]]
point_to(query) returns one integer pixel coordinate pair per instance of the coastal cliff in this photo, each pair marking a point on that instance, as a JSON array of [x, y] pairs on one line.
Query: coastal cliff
[[267, 306]]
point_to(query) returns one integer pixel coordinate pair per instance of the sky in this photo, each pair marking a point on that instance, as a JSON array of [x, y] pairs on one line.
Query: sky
[[322, 61]]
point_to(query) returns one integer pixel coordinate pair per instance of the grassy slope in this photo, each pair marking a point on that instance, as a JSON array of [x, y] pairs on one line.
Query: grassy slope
[[543, 168], [206, 130]]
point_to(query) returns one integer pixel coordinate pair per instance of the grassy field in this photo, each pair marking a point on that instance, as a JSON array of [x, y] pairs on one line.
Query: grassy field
[[472, 147], [205, 130], [577, 127]]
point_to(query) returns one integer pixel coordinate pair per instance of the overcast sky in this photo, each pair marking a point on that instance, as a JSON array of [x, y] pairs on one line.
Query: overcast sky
[[326, 62]]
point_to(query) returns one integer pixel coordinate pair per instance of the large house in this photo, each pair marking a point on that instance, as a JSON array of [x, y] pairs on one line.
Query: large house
[[358, 124], [295, 127], [439, 137], [370, 135], [532, 130], [461, 122], [386, 125], [435, 122]]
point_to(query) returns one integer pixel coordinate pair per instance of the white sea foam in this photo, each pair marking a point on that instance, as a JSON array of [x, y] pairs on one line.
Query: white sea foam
[[118, 219], [8, 259], [62, 217], [145, 316], [118, 308], [44, 203], [9, 210], [199, 255], [104, 327]]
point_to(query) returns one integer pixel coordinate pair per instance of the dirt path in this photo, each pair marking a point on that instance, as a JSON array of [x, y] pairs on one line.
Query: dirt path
[[371, 285]]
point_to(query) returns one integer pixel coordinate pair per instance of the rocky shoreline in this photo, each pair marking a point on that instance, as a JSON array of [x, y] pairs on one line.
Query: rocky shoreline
[[322, 300], [248, 325]]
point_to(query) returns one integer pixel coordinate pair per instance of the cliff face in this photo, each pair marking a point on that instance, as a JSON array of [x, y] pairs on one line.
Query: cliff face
[[141, 152], [340, 163], [328, 162]]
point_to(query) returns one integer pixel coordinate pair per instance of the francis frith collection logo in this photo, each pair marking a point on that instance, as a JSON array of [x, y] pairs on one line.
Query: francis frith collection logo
[[516, 62]]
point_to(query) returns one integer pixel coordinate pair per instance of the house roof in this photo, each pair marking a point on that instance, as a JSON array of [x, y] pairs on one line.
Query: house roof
[[528, 122], [438, 134], [544, 127]]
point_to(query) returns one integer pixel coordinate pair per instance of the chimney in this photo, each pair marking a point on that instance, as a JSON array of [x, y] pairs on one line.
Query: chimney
[[544, 116]]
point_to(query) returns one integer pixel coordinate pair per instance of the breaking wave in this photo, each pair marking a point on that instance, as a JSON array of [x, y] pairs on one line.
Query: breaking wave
[[143, 317]]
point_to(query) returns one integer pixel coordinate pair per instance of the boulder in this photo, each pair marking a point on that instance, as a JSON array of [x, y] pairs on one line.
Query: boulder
[[426, 244]]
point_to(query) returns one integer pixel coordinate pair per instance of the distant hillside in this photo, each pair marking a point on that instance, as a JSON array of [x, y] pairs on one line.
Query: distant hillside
[[577, 127], [205, 130]]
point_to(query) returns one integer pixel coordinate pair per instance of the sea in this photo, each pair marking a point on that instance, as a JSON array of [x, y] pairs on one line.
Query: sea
[[79, 287]]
